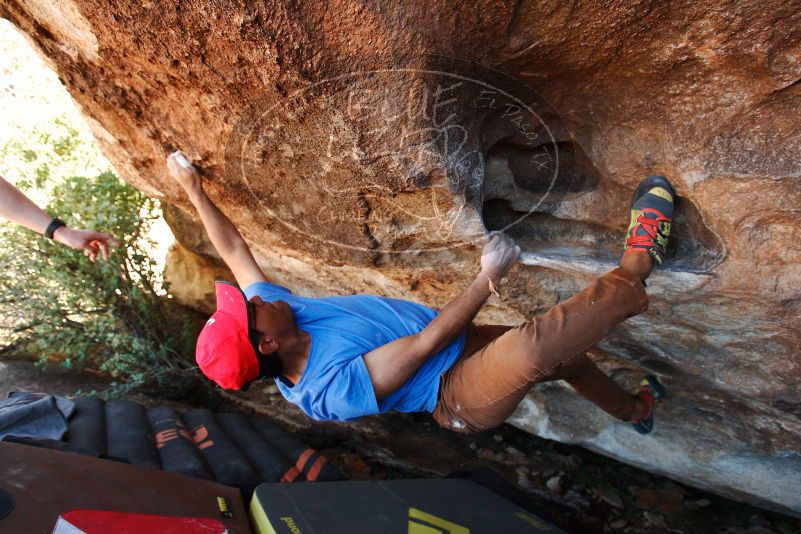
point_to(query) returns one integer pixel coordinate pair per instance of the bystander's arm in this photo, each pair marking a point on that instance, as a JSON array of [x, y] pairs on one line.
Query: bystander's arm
[[18, 208]]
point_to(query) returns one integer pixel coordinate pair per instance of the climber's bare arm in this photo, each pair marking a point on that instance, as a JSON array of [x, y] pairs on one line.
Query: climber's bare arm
[[391, 365], [223, 234]]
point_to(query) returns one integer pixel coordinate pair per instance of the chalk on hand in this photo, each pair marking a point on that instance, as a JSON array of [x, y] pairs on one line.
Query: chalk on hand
[[181, 159]]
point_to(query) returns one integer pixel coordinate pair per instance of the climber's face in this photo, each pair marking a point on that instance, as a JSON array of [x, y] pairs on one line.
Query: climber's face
[[273, 322]]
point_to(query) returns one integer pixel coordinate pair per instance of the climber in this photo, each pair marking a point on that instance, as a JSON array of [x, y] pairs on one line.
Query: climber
[[344, 357], [18, 208]]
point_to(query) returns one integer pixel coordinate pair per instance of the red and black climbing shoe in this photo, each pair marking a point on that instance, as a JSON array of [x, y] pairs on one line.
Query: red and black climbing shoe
[[651, 390], [651, 214]]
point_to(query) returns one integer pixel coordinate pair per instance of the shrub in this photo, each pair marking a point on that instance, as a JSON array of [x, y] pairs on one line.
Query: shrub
[[111, 316]]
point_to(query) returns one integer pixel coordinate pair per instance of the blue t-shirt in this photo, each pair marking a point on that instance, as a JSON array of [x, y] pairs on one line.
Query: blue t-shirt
[[336, 385]]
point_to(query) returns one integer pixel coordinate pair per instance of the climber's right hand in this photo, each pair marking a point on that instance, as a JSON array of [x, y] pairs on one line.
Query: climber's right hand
[[183, 172], [499, 255]]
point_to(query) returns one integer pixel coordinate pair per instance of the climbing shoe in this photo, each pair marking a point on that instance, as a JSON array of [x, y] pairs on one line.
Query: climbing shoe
[[651, 214], [650, 391]]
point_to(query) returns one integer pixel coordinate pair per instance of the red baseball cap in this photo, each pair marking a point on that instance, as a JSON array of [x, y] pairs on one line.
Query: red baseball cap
[[224, 351]]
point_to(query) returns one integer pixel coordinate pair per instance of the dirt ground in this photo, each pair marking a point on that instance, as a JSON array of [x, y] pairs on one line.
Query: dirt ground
[[575, 489]]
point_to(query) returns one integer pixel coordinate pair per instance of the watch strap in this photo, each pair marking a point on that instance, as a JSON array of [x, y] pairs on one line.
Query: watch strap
[[54, 225]]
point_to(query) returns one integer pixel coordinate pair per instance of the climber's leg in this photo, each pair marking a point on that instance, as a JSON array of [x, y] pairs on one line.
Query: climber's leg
[[594, 385], [483, 388]]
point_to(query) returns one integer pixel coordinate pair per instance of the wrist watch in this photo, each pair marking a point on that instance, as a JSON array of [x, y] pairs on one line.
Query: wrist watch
[[54, 225]]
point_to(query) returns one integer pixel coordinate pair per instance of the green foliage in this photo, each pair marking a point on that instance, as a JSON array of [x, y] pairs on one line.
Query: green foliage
[[40, 158], [110, 316]]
